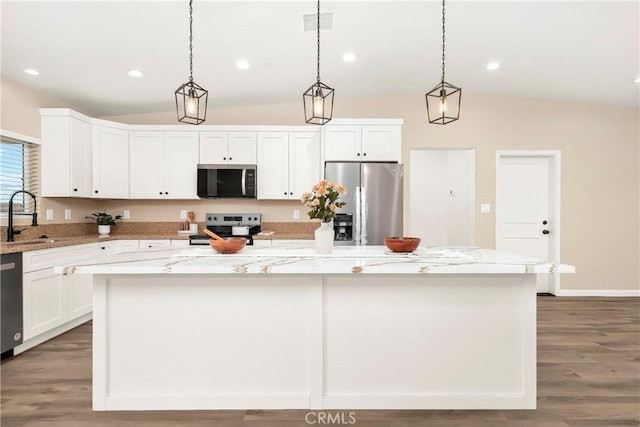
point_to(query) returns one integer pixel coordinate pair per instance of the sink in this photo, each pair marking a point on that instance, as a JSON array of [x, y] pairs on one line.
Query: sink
[[30, 242]]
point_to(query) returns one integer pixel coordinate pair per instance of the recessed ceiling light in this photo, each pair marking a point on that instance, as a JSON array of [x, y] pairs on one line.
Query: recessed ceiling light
[[135, 73], [32, 71], [242, 65], [491, 66], [349, 57], [637, 80]]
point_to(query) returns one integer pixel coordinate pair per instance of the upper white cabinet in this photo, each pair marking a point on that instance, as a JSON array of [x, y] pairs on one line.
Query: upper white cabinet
[[362, 143], [66, 154], [288, 164], [163, 165], [110, 154], [238, 148]]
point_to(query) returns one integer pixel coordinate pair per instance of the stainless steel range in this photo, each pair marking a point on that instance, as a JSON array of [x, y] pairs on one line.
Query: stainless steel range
[[224, 224]]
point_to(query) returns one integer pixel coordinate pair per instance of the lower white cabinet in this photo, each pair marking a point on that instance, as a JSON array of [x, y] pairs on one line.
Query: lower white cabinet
[[155, 243], [51, 300], [118, 246]]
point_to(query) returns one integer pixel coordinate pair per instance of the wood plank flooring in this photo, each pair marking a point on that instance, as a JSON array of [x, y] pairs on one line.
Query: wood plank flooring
[[588, 375]]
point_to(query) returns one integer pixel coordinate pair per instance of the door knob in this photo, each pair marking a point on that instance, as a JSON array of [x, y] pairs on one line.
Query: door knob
[[545, 231]]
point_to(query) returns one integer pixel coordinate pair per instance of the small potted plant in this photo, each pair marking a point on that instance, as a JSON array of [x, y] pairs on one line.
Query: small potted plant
[[104, 221]]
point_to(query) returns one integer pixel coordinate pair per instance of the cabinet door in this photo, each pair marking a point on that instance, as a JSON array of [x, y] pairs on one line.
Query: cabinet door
[[80, 294], [110, 153], [304, 162], [80, 151], [342, 143], [381, 143], [273, 165], [44, 303], [242, 148], [55, 156], [180, 165], [213, 148], [146, 151]]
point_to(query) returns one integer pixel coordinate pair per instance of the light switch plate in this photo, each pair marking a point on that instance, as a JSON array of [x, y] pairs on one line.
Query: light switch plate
[[67, 214], [296, 214], [183, 214], [126, 214], [49, 214], [485, 208]]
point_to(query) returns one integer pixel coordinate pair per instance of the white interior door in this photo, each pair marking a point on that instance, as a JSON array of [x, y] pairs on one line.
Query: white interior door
[[525, 195], [442, 197]]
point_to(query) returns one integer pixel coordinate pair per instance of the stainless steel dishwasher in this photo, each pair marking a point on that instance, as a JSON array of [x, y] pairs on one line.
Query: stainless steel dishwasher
[[10, 302]]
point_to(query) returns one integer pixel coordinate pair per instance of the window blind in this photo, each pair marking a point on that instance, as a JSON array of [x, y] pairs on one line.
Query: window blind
[[19, 170]]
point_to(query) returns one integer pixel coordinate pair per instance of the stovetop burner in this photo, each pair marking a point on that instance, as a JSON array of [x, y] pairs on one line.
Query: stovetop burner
[[222, 224]]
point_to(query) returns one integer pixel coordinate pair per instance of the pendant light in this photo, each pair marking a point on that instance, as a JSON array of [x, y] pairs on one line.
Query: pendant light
[[318, 99], [191, 99], [443, 101]]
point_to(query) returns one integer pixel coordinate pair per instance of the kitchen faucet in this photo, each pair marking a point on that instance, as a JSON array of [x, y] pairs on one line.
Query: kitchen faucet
[[10, 231]]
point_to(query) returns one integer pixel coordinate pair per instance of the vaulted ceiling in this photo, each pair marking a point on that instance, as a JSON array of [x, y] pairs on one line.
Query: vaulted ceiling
[[582, 51]]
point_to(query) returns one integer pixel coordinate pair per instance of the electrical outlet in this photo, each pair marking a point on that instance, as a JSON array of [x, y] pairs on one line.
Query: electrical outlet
[[183, 214], [126, 214], [485, 208], [296, 214], [67, 214], [49, 214]]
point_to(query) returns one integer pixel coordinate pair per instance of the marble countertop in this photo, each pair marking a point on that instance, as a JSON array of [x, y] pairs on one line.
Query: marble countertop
[[302, 259]]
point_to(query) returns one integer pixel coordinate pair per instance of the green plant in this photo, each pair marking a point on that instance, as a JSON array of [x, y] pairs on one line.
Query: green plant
[[103, 218], [323, 200]]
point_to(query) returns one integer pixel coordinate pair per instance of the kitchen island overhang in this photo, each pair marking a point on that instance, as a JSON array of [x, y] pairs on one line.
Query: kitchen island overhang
[[267, 330]]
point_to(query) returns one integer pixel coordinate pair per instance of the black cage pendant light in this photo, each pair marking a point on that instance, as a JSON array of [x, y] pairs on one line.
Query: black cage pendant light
[[318, 99], [191, 99], [443, 101]]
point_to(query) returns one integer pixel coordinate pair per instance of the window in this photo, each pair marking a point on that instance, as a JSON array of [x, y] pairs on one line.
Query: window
[[19, 170]]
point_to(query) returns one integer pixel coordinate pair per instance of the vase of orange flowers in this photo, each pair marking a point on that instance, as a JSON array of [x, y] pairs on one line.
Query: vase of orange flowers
[[323, 203]]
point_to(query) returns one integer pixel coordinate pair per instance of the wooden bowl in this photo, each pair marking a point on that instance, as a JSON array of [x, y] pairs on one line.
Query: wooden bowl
[[402, 244], [230, 245]]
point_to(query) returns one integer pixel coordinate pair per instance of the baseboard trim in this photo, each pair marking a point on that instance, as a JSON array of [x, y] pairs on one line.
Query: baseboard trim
[[46, 336], [598, 293]]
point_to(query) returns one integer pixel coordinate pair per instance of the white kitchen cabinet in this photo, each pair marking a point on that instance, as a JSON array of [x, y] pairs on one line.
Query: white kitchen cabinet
[[235, 148], [163, 165], [288, 164], [66, 156], [179, 243], [110, 155], [155, 243], [52, 300], [44, 300], [362, 143], [112, 247], [305, 169]]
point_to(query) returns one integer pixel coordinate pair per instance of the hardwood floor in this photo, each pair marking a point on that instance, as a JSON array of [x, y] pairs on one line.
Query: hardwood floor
[[588, 375]]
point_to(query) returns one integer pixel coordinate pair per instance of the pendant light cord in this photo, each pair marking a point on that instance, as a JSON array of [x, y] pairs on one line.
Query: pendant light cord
[[443, 39], [191, 40], [318, 35]]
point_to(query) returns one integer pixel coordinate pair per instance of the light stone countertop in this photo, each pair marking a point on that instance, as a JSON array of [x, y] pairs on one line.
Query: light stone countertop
[[302, 259]]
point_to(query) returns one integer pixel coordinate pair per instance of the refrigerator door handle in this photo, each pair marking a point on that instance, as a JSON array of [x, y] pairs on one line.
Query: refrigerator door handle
[[357, 227], [363, 216]]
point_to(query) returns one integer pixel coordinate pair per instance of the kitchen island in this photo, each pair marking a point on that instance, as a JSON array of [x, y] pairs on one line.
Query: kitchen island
[[281, 327]]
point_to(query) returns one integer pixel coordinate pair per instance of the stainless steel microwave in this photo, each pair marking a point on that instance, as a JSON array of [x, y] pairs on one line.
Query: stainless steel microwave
[[230, 181]]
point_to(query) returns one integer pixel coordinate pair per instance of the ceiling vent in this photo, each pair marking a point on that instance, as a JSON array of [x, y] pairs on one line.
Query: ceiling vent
[[310, 21]]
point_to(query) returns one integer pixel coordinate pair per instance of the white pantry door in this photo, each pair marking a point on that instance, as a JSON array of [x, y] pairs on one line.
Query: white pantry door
[[442, 196], [525, 198]]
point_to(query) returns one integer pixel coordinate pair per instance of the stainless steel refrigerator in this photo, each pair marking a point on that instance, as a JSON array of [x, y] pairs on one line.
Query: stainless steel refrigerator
[[374, 201]]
